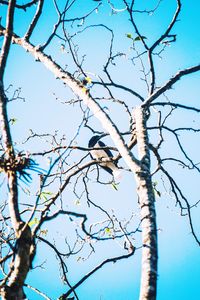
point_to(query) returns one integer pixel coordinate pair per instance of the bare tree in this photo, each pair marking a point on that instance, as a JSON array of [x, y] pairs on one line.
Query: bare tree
[[140, 139]]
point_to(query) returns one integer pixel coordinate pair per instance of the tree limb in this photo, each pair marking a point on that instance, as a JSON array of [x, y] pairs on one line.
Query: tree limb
[[168, 85], [7, 38]]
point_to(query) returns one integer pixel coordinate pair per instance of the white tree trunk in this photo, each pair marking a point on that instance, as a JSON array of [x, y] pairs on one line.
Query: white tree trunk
[[148, 213]]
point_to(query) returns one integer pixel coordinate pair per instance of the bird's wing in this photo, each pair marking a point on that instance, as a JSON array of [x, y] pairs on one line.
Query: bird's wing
[[107, 151]]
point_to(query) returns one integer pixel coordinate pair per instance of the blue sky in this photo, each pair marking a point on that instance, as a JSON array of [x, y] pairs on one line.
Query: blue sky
[[43, 111]]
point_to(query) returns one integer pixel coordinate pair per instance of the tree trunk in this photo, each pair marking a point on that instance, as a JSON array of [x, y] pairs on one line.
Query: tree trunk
[[21, 258], [148, 213]]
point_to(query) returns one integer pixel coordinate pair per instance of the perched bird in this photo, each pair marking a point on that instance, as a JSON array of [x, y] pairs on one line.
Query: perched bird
[[109, 166]]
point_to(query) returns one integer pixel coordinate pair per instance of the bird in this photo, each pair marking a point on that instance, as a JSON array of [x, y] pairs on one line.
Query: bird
[[109, 166]]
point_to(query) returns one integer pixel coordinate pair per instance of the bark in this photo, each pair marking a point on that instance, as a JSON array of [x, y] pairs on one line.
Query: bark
[[20, 265], [148, 213], [21, 260], [7, 38]]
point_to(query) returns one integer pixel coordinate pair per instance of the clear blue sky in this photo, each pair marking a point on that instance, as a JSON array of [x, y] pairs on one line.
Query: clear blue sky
[[179, 258]]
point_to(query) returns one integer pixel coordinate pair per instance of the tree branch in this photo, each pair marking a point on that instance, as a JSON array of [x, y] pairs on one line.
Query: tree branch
[[68, 79], [7, 38], [109, 260], [23, 6], [34, 21], [169, 84]]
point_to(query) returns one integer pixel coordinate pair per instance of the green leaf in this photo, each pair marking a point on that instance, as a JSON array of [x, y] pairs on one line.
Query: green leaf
[[114, 186], [77, 202], [88, 79], [33, 222], [13, 121], [108, 231], [139, 38], [129, 36], [44, 195], [156, 193], [79, 258]]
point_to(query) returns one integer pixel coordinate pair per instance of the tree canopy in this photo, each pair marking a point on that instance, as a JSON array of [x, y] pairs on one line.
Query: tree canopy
[[129, 72]]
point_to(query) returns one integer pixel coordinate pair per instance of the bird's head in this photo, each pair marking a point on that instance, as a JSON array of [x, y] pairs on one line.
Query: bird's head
[[94, 140]]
